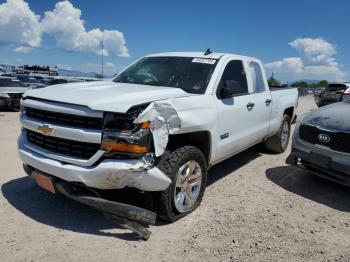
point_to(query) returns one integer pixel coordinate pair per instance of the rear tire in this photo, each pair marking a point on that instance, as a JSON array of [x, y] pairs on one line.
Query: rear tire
[[166, 203], [278, 143]]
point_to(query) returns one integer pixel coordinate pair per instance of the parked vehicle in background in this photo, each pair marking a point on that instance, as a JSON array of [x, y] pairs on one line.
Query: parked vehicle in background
[[302, 91], [332, 94], [30, 81], [346, 95], [43, 78], [27, 80], [157, 127], [319, 91], [321, 143], [317, 94], [11, 91], [58, 81]]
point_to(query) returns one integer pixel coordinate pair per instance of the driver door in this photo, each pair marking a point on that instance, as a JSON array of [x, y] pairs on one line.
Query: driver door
[[236, 121]]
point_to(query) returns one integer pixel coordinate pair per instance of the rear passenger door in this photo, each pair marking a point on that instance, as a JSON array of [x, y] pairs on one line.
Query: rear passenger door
[[236, 121], [261, 97]]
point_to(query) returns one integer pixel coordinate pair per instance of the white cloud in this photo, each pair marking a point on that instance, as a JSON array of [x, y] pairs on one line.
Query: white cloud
[[294, 64], [19, 25], [316, 50], [64, 23], [23, 49], [102, 51], [317, 62]]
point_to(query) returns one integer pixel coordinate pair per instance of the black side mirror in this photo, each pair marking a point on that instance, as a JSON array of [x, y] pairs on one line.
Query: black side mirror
[[230, 88]]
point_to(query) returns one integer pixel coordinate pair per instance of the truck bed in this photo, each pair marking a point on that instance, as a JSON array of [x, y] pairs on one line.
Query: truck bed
[[277, 88]]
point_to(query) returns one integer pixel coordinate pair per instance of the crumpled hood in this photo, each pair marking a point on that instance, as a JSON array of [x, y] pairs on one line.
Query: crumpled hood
[[106, 95], [8, 90], [335, 116]]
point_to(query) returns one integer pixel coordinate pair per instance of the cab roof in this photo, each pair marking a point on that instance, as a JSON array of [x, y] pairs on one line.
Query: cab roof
[[201, 55]]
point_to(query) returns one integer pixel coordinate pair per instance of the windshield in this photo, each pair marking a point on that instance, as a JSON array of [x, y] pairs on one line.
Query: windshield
[[11, 83], [188, 73]]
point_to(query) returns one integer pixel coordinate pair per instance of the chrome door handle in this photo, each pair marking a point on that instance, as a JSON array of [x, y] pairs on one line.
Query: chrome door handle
[[250, 105], [268, 101]]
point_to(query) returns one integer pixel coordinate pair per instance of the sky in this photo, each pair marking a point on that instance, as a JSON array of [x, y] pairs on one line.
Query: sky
[[294, 39]]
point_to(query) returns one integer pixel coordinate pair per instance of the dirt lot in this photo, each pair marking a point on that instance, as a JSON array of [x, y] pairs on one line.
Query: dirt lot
[[255, 208]]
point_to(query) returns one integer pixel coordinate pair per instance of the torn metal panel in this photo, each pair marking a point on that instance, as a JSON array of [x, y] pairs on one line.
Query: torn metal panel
[[176, 116], [128, 216], [164, 121]]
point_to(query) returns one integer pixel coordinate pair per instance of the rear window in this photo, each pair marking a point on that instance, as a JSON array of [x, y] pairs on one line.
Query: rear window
[[257, 77], [336, 87]]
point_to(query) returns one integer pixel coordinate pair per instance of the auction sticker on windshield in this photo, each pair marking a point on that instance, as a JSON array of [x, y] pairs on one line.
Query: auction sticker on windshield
[[204, 60]]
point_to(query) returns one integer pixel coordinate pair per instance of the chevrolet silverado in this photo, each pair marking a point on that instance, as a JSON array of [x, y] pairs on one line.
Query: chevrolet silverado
[[158, 126]]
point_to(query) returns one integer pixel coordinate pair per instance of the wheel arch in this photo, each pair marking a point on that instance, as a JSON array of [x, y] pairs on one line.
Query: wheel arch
[[200, 139], [289, 111]]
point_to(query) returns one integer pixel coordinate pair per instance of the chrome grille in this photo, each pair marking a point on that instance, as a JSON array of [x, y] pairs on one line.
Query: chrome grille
[[339, 141], [63, 119], [64, 146]]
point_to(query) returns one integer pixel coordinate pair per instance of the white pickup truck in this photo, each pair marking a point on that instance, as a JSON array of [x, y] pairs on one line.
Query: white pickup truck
[[158, 126]]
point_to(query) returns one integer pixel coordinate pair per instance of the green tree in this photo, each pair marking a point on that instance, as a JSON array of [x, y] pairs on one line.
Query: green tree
[[301, 84], [273, 81], [322, 83]]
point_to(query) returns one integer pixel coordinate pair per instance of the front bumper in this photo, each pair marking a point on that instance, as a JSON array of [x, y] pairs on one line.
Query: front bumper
[[320, 161], [108, 174]]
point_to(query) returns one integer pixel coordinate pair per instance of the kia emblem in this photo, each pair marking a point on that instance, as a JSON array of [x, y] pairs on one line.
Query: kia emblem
[[324, 138]]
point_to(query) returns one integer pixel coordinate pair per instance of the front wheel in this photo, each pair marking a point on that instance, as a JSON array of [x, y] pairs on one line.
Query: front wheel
[[278, 143], [187, 168]]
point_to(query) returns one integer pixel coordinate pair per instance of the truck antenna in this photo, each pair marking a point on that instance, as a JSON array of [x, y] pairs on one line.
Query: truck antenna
[[208, 52], [102, 54]]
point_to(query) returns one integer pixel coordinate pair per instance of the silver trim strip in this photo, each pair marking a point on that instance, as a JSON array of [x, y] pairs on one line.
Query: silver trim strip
[[61, 157], [62, 108], [82, 135]]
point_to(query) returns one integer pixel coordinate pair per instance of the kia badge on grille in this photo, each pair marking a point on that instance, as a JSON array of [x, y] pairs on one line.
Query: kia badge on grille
[[324, 138]]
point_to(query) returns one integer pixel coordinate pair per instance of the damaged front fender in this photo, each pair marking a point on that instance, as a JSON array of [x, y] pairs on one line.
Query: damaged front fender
[[164, 121]]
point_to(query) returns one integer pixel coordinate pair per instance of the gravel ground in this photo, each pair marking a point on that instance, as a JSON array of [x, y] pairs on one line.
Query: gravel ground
[[255, 209]]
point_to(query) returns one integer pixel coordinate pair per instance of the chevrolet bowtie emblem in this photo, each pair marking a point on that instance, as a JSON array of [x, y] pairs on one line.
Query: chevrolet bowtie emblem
[[45, 130]]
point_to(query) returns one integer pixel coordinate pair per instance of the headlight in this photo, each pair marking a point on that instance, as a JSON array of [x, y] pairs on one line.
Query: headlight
[[4, 95], [122, 137]]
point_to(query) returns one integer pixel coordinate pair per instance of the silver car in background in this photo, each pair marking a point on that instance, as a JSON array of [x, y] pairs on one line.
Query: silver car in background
[[321, 142], [11, 91]]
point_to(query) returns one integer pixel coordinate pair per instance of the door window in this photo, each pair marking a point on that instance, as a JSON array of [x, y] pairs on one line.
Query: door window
[[234, 75], [257, 77]]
